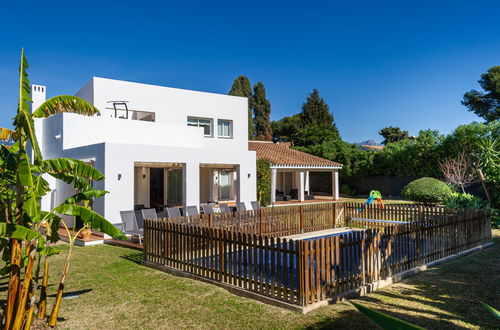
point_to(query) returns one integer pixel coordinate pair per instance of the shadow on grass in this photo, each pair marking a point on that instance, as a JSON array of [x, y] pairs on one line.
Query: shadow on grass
[[349, 319], [134, 257], [444, 297], [72, 294]]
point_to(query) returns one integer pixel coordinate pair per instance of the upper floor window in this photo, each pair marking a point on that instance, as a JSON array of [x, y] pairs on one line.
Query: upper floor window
[[206, 123], [225, 128]]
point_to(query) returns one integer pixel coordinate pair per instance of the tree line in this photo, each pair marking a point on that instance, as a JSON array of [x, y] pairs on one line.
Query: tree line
[[313, 130]]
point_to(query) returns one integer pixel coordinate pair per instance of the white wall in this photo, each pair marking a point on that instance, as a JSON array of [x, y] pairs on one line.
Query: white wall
[[127, 131], [172, 106], [117, 161]]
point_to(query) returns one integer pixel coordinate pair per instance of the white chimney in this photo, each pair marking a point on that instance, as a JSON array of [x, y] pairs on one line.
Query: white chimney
[[38, 95]]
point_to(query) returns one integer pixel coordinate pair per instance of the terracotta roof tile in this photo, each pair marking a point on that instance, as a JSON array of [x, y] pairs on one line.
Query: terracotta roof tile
[[372, 147], [283, 154]]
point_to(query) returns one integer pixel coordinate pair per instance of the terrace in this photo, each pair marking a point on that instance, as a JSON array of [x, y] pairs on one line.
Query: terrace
[[349, 249]]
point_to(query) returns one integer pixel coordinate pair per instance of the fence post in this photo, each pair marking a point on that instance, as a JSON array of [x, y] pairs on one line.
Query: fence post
[[260, 221], [301, 211], [301, 299], [334, 214], [209, 221]]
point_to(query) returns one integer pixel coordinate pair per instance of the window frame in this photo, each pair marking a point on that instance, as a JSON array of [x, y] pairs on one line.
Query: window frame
[[230, 136], [210, 120]]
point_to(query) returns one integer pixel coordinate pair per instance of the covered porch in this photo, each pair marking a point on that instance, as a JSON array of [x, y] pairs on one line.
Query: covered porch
[[292, 183], [292, 170], [218, 183]]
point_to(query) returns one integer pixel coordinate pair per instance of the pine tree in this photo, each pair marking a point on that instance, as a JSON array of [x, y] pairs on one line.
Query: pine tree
[[393, 134], [486, 104], [261, 110], [242, 87], [315, 112]]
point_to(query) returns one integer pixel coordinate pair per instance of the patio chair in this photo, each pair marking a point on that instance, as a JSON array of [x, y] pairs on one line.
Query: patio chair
[[174, 212], [149, 214], [240, 207], [129, 225], [162, 214], [207, 209], [140, 219], [191, 210], [224, 208], [255, 205]]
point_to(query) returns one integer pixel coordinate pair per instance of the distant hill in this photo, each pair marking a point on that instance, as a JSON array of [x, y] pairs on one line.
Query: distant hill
[[368, 143]]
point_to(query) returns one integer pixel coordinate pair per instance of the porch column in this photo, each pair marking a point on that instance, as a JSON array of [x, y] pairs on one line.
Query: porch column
[[335, 184], [274, 173], [301, 186], [191, 184], [306, 188]]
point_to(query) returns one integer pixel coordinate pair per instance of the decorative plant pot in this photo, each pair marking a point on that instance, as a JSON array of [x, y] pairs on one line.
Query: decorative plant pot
[[85, 234]]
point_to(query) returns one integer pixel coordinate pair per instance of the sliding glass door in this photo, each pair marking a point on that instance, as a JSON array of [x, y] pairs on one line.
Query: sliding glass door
[[225, 185]]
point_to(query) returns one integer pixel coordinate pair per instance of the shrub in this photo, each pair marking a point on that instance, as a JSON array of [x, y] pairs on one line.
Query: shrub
[[427, 191], [263, 182], [468, 201], [347, 190], [457, 200]]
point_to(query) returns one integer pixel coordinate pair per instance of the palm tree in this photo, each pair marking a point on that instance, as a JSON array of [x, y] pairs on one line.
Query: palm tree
[[24, 224]]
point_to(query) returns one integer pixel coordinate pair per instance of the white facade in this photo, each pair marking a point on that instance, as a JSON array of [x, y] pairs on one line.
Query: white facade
[[150, 151]]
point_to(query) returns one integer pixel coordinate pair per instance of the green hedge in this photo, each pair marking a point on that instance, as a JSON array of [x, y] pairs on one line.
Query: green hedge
[[427, 191], [263, 182]]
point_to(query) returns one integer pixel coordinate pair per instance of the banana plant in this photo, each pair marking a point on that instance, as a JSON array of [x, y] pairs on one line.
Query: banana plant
[[27, 231]]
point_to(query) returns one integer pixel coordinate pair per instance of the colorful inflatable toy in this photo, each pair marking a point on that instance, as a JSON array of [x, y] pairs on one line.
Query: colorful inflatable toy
[[374, 195]]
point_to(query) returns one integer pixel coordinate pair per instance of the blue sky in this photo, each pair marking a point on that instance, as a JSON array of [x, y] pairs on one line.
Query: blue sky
[[376, 63]]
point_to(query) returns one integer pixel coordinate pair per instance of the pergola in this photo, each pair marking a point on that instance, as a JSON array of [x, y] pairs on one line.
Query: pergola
[[290, 168]]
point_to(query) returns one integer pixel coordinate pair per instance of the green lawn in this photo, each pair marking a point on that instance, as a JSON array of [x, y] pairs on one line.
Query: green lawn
[[117, 292]]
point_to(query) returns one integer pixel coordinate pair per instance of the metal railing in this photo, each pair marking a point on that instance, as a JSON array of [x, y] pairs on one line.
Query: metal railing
[[130, 114]]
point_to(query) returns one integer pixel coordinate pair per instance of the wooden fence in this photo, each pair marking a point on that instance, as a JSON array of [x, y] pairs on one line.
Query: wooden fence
[[248, 253], [273, 221], [396, 212], [338, 264]]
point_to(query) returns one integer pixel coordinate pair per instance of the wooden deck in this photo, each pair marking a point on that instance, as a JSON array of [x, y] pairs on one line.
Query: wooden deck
[[130, 243], [92, 240], [316, 200]]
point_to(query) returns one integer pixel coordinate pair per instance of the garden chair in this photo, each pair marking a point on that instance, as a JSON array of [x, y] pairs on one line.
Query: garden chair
[[207, 209], [240, 207], [140, 219], [162, 214], [255, 205], [129, 225], [149, 214], [191, 210], [224, 208], [173, 212]]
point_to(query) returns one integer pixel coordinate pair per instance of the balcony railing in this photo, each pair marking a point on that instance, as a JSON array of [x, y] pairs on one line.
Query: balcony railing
[[130, 114]]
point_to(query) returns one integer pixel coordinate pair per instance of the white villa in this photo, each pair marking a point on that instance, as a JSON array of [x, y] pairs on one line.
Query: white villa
[[160, 146], [155, 145]]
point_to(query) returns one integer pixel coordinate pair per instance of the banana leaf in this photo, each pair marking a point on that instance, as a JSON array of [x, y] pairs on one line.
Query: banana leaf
[[65, 103], [493, 311], [71, 167], [383, 320], [86, 195], [7, 134], [91, 218], [9, 230]]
